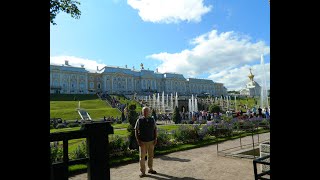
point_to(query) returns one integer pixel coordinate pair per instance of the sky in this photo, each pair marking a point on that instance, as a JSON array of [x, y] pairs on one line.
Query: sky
[[208, 39]]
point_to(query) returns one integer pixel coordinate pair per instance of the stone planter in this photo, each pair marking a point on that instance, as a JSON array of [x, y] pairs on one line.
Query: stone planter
[[265, 150]]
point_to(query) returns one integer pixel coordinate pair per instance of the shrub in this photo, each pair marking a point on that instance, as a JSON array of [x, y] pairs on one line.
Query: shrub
[[163, 139], [208, 129], [80, 151], [117, 145], [214, 108], [56, 152], [73, 125], [60, 126], [187, 133]]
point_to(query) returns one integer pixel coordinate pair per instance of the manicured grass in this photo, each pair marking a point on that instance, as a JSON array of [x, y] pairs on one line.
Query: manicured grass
[[115, 126], [97, 114], [120, 126], [64, 129], [121, 132], [169, 128], [63, 106]]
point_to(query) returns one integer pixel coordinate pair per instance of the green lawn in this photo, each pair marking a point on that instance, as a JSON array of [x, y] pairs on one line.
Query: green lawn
[[120, 126], [169, 128], [64, 106]]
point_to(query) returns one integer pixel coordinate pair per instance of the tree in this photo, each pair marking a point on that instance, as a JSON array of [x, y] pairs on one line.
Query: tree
[[214, 108], [67, 6], [132, 117], [176, 116]]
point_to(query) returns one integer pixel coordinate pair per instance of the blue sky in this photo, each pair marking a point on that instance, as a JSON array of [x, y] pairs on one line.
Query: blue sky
[[218, 40]]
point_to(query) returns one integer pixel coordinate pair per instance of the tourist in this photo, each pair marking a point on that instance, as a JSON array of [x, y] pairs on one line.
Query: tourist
[[267, 113], [260, 112], [146, 135]]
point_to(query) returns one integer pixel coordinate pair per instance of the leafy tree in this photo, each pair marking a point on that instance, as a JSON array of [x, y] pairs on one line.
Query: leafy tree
[[67, 6], [176, 116], [132, 117], [214, 108]]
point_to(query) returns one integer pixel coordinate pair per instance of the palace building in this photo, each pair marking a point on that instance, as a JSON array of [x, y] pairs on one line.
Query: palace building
[[67, 79]]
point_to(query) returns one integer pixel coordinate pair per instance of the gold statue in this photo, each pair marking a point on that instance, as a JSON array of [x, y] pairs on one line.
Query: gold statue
[[251, 76]]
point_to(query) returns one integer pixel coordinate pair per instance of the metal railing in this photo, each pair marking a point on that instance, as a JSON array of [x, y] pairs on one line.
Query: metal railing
[[254, 144], [261, 160]]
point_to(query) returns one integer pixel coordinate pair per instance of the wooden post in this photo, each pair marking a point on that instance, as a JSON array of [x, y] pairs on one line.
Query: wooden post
[[98, 150]]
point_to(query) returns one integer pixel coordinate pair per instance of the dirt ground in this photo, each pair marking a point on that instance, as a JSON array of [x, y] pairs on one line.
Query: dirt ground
[[200, 163]]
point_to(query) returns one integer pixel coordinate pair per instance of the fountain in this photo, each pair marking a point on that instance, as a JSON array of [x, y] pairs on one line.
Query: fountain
[[227, 103], [171, 102], [196, 105], [154, 101], [176, 100], [235, 103], [193, 105], [158, 103], [264, 92], [162, 103]]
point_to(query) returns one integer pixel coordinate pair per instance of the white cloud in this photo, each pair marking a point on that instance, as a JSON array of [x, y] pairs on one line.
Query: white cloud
[[213, 53], [90, 65], [170, 11]]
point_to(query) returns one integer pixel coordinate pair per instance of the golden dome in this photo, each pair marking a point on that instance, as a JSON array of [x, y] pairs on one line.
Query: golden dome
[[251, 76]]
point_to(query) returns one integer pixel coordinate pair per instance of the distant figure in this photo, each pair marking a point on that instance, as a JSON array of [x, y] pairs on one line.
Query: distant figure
[[146, 136], [104, 118], [267, 113], [259, 112]]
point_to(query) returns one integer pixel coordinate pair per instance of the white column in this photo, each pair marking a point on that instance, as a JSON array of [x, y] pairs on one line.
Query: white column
[[132, 84], [51, 79], [111, 84], [126, 84], [78, 83], [105, 82], [86, 83]]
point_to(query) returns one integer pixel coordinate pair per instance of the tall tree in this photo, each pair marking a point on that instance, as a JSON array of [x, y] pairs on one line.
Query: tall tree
[[132, 117], [176, 116], [67, 6]]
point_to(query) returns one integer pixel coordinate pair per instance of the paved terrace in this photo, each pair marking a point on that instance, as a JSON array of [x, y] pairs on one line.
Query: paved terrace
[[200, 163]]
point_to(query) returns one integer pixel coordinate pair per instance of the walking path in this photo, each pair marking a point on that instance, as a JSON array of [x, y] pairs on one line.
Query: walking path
[[195, 164]]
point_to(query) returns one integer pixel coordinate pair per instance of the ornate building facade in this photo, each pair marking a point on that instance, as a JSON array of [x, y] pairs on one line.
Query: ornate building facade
[[67, 79], [252, 87]]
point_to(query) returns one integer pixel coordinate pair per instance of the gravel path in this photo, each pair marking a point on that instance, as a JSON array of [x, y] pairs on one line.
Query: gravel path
[[200, 163]]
